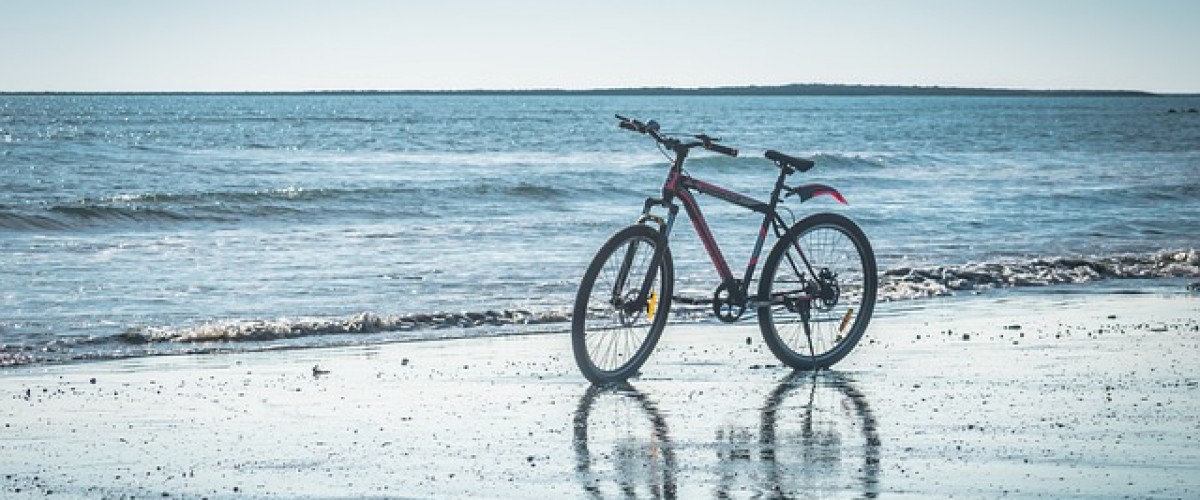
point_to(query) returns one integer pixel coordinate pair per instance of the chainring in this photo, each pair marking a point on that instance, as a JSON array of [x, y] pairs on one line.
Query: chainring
[[728, 305]]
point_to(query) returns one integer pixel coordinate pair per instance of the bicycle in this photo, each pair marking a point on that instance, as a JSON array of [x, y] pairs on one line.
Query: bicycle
[[815, 295]]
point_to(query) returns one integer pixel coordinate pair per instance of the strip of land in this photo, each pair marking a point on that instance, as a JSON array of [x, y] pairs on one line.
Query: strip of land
[[797, 89]]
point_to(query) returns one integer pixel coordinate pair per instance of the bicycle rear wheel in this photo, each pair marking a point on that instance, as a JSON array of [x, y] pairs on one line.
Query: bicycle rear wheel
[[821, 281], [612, 333]]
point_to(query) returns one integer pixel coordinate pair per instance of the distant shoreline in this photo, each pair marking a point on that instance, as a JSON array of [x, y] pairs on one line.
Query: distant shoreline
[[803, 89]]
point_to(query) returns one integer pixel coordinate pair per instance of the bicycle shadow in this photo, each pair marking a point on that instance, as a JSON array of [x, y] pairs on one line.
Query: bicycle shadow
[[815, 435]]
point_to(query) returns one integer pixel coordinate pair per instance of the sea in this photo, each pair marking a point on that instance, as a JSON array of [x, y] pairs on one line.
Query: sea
[[164, 224]]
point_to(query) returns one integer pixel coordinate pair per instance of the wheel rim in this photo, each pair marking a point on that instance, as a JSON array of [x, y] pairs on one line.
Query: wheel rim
[[837, 310], [615, 335]]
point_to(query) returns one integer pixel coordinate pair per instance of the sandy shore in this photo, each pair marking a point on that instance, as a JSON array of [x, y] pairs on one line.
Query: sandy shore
[[1020, 395]]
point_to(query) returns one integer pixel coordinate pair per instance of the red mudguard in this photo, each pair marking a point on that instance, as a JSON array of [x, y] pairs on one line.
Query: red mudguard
[[810, 191]]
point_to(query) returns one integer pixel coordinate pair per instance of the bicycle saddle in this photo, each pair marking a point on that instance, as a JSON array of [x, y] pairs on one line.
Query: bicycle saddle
[[800, 164]]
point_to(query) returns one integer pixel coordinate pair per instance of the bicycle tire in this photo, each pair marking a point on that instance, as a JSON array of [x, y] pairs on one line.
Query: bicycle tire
[[828, 241], [609, 342]]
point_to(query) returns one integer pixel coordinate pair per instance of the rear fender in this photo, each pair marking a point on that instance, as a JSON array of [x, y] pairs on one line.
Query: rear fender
[[810, 191]]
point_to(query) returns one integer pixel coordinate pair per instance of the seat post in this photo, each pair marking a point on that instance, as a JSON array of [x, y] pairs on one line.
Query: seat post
[[784, 171]]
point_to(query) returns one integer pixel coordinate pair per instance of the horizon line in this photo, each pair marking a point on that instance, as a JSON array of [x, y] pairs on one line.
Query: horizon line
[[790, 89]]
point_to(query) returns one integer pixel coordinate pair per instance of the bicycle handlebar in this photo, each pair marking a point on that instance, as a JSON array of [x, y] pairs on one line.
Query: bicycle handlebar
[[651, 128], [710, 144], [728, 151]]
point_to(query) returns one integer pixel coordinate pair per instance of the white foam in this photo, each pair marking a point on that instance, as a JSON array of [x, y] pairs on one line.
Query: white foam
[[911, 283]]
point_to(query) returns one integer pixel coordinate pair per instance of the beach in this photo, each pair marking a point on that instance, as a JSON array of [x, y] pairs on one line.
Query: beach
[[1054, 395]]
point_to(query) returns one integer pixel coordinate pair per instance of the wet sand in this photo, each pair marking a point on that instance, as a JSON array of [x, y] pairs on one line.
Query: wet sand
[[1032, 395]]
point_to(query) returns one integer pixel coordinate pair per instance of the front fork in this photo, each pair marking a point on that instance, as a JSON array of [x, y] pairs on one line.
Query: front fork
[[664, 230]]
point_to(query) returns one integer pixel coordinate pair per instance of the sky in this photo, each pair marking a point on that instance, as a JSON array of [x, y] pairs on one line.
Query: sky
[[298, 45]]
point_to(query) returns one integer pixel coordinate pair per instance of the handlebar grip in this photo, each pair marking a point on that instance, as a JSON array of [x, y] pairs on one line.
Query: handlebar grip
[[721, 149]]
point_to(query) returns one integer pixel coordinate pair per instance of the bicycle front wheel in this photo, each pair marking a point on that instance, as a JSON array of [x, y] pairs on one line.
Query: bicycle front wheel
[[820, 281], [614, 328]]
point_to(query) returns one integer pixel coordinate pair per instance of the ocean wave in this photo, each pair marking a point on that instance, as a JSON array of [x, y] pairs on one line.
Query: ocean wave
[[852, 161], [68, 217], [896, 284], [265, 335], [222, 197], [126, 210], [532, 191], [291, 155], [158, 209], [835, 161], [1165, 192], [911, 283], [362, 323]]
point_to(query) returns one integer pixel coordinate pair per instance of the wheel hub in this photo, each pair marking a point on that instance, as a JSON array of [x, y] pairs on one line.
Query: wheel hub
[[828, 291]]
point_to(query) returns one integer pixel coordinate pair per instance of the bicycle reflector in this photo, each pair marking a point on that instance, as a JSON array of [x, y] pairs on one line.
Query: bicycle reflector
[[846, 319]]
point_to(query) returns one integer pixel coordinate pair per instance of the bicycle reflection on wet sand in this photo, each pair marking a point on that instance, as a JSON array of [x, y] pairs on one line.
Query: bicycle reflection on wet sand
[[816, 436]]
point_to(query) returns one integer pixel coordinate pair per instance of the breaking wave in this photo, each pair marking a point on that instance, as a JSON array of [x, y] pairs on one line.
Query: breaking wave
[[896, 284], [911, 283], [362, 323]]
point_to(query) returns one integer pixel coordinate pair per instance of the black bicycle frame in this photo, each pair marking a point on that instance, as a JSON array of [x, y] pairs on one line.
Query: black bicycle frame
[[680, 186]]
